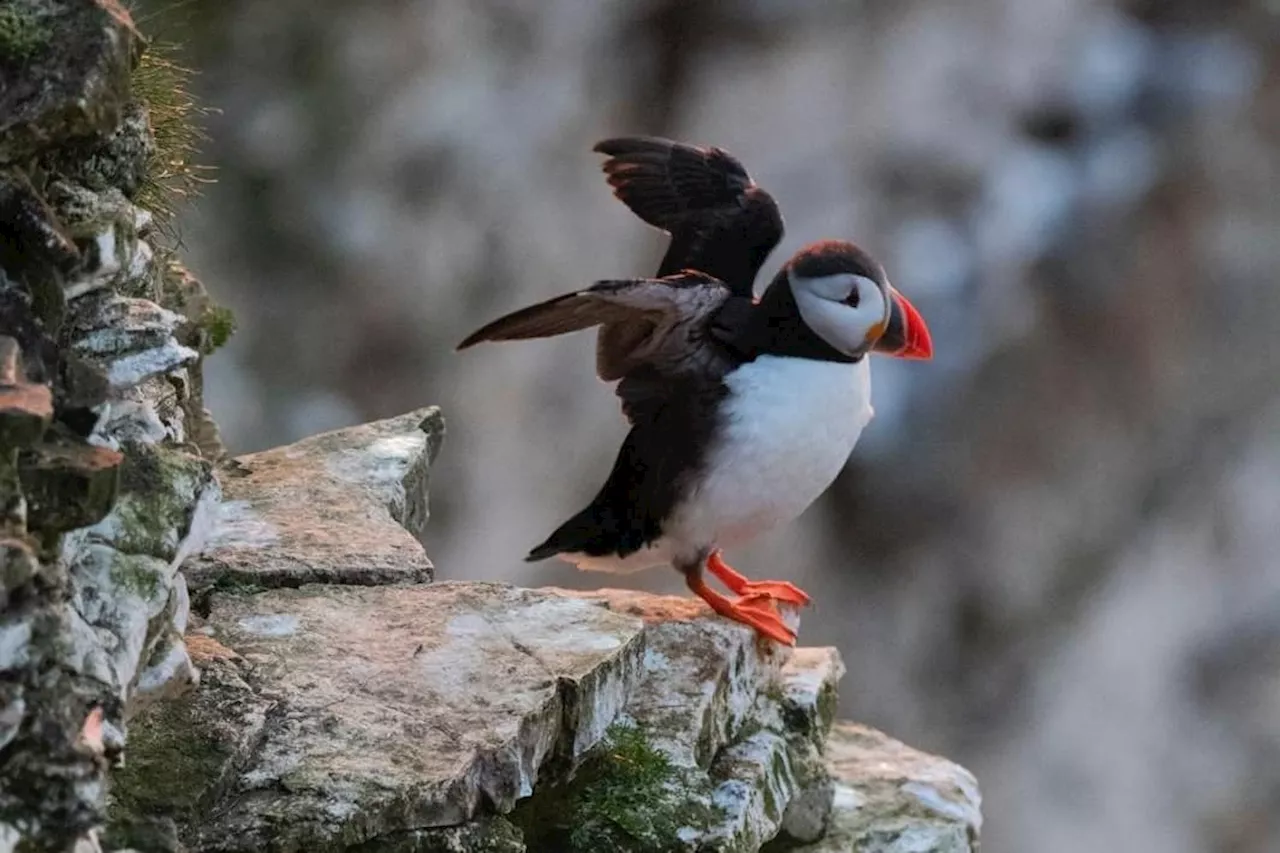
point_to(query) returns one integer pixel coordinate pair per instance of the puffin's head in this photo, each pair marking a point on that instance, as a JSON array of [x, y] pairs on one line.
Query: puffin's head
[[845, 298]]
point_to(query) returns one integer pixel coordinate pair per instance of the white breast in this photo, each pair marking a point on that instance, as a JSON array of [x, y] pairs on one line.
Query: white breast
[[789, 426]]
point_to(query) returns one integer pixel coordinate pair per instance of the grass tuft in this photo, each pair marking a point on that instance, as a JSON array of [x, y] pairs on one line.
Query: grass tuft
[[174, 175]]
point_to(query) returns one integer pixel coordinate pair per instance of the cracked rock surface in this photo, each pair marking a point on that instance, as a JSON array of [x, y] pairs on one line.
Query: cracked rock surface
[[276, 524], [398, 708], [479, 716]]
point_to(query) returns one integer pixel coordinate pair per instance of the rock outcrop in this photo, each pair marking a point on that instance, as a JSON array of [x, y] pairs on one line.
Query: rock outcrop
[[344, 706], [105, 447]]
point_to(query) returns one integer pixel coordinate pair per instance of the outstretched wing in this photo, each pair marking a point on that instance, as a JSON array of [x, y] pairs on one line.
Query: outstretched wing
[[655, 331], [720, 221]]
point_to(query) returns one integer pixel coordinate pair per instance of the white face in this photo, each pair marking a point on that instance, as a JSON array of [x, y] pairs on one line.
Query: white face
[[844, 323]]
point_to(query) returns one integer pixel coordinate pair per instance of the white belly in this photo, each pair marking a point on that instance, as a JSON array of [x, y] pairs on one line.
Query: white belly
[[789, 428]]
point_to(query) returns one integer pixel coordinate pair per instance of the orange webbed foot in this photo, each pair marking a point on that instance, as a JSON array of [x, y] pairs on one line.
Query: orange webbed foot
[[775, 590], [755, 610]]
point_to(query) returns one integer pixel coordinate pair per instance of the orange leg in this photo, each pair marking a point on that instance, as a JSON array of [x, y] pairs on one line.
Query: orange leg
[[753, 610], [776, 590]]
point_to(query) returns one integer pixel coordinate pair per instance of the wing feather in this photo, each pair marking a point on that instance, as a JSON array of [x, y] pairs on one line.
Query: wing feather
[[653, 330], [720, 221], [560, 315]]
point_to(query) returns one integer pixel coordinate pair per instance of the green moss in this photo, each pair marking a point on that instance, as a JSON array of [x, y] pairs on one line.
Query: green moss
[[23, 30], [136, 574], [171, 764], [491, 834], [173, 176], [220, 324], [828, 699], [209, 325], [625, 798], [155, 504]]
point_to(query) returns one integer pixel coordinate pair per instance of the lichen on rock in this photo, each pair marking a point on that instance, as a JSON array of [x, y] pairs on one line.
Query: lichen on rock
[[103, 498], [66, 65], [276, 523]]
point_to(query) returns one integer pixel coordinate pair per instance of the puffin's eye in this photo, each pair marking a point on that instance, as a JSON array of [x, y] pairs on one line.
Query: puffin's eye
[[855, 292]]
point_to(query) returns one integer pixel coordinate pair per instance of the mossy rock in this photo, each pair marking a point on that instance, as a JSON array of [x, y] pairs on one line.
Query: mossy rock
[[68, 484], [25, 31], [37, 252], [171, 764], [181, 753], [491, 834], [66, 66], [158, 492], [626, 797], [208, 325], [117, 159]]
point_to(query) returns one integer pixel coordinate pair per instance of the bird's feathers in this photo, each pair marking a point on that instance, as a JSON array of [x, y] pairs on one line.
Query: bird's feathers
[[570, 312], [720, 221], [653, 330], [667, 183]]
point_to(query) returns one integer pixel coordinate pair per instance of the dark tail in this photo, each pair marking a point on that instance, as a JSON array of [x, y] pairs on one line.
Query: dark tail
[[598, 530], [592, 531], [622, 519]]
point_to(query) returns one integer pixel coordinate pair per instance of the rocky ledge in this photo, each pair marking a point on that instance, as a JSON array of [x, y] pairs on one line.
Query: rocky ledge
[[348, 705]]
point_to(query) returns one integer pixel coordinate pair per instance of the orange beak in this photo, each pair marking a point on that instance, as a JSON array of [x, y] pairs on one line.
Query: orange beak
[[906, 335]]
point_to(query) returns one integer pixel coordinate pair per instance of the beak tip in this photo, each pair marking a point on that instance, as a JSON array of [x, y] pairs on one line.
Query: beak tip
[[912, 332], [921, 345]]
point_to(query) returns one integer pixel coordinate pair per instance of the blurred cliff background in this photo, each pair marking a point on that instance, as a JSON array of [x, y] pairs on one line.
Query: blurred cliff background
[[1055, 556]]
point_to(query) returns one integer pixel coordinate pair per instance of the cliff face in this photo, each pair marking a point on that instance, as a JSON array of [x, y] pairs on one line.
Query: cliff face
[[347, 703], [104, 478]]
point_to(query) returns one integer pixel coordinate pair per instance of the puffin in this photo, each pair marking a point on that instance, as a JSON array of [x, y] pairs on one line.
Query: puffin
[[742, 409]]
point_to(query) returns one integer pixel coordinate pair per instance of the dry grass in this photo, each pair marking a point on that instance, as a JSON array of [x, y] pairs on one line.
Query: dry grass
[[162, 82]]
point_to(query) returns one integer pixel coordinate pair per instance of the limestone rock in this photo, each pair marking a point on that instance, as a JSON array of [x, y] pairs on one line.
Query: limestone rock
[[25, 407], [68, 484], [375, 711], [704, 673], [124, 571], [279, 522], [114, 160], [890, 798], [725, 729], [98, 505], [469, 717], [36, 248], [108, 226], [130, 339], [48, 94]]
